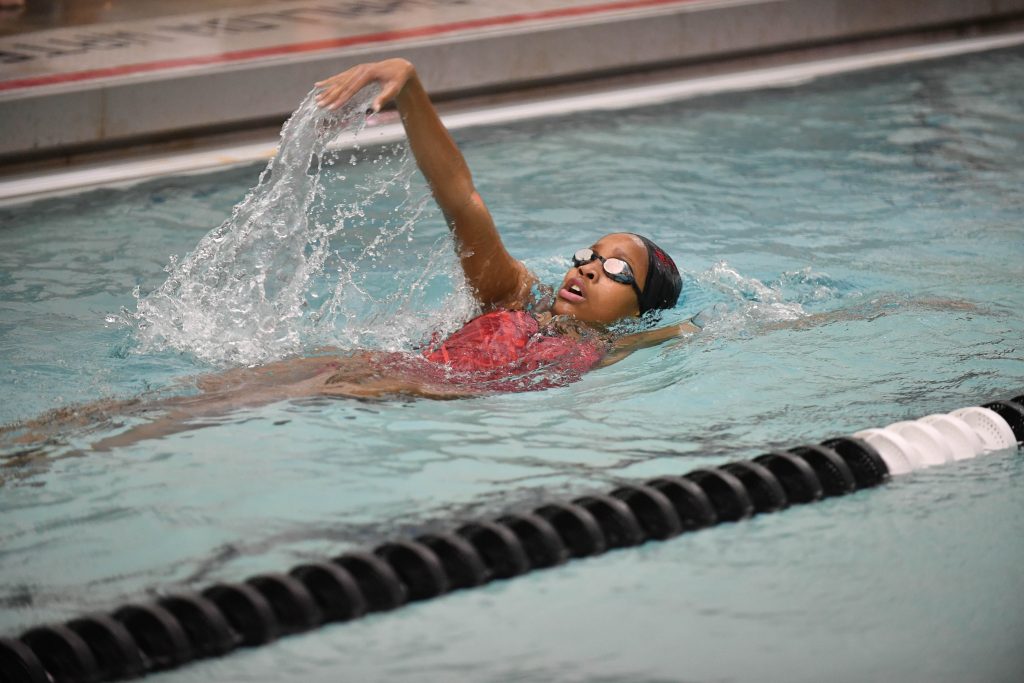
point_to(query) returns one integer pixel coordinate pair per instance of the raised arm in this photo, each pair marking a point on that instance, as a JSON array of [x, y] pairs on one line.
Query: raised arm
[[497, 278]]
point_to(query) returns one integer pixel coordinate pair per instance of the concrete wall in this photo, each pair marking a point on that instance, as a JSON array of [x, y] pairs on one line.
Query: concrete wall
[[56, 118]]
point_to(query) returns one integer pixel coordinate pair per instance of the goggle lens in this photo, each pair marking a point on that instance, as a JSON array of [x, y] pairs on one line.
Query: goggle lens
[[618, 269], [582, 256], [614, 266]]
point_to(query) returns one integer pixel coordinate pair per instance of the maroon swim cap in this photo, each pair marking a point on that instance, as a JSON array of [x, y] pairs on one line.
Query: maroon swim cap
[[663, 284]]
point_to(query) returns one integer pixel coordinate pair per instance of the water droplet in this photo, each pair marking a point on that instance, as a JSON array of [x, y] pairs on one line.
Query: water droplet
[[306, 260]]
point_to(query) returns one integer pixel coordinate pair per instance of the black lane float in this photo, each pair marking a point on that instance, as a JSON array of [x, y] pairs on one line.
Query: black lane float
[[136, 639]]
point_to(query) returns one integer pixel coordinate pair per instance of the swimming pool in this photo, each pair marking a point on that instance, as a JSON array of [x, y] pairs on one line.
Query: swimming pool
[[886, 192]]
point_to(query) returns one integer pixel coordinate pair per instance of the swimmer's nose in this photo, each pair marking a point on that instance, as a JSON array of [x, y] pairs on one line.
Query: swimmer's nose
[[588, 271]]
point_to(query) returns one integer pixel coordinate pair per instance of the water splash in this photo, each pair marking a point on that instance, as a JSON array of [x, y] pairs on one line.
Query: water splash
[[807, 286], [311, 255], [750, 304]]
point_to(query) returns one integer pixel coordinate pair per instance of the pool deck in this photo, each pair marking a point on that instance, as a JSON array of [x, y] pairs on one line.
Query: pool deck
[[128, 79]]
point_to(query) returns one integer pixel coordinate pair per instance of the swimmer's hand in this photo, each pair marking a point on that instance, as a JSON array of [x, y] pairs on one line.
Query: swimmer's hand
[[391, 74]]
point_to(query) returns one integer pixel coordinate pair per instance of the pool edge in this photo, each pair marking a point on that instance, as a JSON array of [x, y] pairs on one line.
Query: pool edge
[[38, 184]]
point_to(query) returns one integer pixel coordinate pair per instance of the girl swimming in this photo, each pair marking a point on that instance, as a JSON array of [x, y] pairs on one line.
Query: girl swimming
[[527, 337], [521, 331]]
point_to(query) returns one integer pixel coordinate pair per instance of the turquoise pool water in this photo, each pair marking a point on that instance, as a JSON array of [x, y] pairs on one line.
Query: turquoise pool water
[[888, 201]]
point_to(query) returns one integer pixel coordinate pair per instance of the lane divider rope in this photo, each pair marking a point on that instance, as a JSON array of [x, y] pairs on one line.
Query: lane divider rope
[[136, 639]]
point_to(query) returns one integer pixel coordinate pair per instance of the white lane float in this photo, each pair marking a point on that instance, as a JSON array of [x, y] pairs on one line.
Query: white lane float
[[994, 431], [927, 439], [900, 455], [937, 439], [964, 441]]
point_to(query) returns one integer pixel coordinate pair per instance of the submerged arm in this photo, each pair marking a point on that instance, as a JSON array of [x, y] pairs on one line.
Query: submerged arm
[[866, 311], [223, 394], [496, 277], [623, 346]]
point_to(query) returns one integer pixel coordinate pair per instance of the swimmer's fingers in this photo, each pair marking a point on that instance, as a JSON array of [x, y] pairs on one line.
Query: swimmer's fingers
[[390, 87], [391, 74], [337, 90]]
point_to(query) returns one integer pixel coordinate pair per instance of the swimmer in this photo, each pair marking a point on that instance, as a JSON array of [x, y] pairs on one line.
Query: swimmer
[[527, 337], [621, 275]]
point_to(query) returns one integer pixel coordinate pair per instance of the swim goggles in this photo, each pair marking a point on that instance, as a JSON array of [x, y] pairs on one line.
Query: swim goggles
[[615, 268]]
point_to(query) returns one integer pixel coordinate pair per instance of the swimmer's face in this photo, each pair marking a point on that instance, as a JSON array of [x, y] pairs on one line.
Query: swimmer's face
[[587, 293]]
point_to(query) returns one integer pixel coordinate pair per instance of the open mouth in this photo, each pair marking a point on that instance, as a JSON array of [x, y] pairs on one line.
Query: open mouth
[[572, 292]]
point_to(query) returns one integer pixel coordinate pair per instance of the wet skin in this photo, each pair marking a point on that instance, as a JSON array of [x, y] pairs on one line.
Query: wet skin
[[603, 300]]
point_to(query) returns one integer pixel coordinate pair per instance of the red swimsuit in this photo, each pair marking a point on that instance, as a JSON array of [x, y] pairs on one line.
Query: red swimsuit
[[506, 351]]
